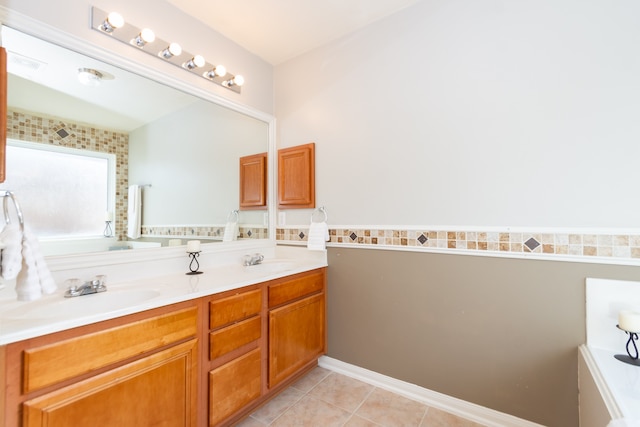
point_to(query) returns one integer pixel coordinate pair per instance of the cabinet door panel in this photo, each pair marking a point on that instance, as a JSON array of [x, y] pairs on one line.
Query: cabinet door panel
[[234, 385], [253, 181], [296, 177], [296, 336], [159, 390]]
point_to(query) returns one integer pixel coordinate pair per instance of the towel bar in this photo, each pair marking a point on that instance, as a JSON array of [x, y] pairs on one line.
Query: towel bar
[[7, 219]]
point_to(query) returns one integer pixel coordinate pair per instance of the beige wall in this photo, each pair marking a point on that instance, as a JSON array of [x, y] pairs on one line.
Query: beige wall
[[498, 332]]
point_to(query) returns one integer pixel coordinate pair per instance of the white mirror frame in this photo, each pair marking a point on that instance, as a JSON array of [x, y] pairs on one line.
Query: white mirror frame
[[45, 32]]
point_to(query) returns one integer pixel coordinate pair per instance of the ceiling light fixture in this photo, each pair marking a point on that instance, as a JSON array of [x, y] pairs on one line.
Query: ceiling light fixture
[[146, 41], [89, 77]]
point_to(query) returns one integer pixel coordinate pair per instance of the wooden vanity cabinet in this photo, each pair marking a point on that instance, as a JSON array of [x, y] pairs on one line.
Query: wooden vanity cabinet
[[209, 361], [297, 324], [136, 370]]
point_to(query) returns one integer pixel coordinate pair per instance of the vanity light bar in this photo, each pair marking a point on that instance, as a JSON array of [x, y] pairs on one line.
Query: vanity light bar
[[145, 40]]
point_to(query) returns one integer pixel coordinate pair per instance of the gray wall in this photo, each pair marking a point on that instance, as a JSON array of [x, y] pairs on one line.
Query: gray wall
[[498, 332]]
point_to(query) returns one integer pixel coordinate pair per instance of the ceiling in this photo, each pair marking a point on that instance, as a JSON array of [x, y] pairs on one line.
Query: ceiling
[[278, 30]]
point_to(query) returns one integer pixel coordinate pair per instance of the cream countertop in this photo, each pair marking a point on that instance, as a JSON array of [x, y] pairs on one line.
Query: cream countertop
[[150, 287]]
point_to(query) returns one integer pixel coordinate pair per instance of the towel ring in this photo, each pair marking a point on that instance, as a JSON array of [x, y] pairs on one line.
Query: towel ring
[[235, 213], [7, 219], [321, 210]]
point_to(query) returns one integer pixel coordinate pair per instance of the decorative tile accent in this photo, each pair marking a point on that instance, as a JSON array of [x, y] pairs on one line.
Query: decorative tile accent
[[532, 244], [622, 247], [213, 231]]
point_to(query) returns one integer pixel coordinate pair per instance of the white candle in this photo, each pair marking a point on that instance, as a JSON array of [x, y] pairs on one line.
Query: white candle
[[193, 246], [629, 320], [108, 216]]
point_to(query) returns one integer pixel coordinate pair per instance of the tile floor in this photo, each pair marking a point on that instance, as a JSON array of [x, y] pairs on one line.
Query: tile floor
[[324, 398]]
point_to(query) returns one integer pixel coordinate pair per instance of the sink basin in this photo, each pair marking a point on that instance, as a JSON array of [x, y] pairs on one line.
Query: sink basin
[[271, 266], [85, 305]]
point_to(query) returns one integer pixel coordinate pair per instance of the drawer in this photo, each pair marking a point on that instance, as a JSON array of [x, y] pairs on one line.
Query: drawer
[[224, 340], [234, 308], [290, 290], [66, 359]]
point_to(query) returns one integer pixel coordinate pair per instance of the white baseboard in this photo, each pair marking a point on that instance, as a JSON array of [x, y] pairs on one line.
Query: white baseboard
[[470, 411]]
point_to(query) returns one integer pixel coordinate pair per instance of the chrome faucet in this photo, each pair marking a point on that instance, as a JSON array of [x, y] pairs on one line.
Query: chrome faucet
[[254, 259], [98, 284]]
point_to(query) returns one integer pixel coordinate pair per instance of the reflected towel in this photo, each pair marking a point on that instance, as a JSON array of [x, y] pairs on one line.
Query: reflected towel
[[34, 277], [318, 235], [11, 237], [230, 231], [134, 212]]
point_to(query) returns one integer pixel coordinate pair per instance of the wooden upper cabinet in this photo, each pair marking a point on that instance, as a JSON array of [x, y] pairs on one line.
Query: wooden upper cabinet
[[253, 182], [3, 112], [296, 177]]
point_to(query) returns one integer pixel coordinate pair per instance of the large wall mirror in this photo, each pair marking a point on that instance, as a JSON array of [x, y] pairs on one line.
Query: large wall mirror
[[181, 148]]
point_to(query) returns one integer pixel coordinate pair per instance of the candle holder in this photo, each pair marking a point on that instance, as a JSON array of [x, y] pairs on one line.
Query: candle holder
[[193, 269], [632, 349], [108, 232]]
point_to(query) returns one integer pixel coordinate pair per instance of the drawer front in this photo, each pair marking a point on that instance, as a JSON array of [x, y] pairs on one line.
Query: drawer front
[[293, 289], [234, 385], [66, 359], [224, 340], [234, 308]]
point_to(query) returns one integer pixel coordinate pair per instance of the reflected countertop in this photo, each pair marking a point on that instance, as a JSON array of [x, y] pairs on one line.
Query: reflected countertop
[[53, 313]]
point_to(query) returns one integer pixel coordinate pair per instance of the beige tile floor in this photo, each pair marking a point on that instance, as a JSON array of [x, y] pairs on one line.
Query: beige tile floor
[[324, 398]]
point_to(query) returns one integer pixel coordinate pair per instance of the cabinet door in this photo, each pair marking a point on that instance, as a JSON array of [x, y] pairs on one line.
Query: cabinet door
[[253, 181], [296, 177], [234, 385], [296, 336], [158, 390]]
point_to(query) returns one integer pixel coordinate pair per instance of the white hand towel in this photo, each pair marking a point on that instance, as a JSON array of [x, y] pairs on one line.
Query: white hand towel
[[11, 237], [34, 278], [318, 235], [134, 212], [230, 231]]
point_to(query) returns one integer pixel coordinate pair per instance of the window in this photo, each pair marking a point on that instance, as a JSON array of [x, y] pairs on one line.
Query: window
[[63, 192]]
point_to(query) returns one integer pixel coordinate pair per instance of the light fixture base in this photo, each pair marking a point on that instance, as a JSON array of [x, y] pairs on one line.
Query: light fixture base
[[129, 32]]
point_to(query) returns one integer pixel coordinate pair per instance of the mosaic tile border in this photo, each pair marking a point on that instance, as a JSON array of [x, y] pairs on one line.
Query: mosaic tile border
[[214, 231], [612, 246]]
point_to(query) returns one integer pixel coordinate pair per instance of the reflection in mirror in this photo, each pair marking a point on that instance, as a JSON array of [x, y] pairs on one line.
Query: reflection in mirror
[[183, 149]]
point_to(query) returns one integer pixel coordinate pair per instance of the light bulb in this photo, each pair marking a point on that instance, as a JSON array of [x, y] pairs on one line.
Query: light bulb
[[114, 20], [238, 80], [218, 70], [195, 62], [145, 36], [173, 49]]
